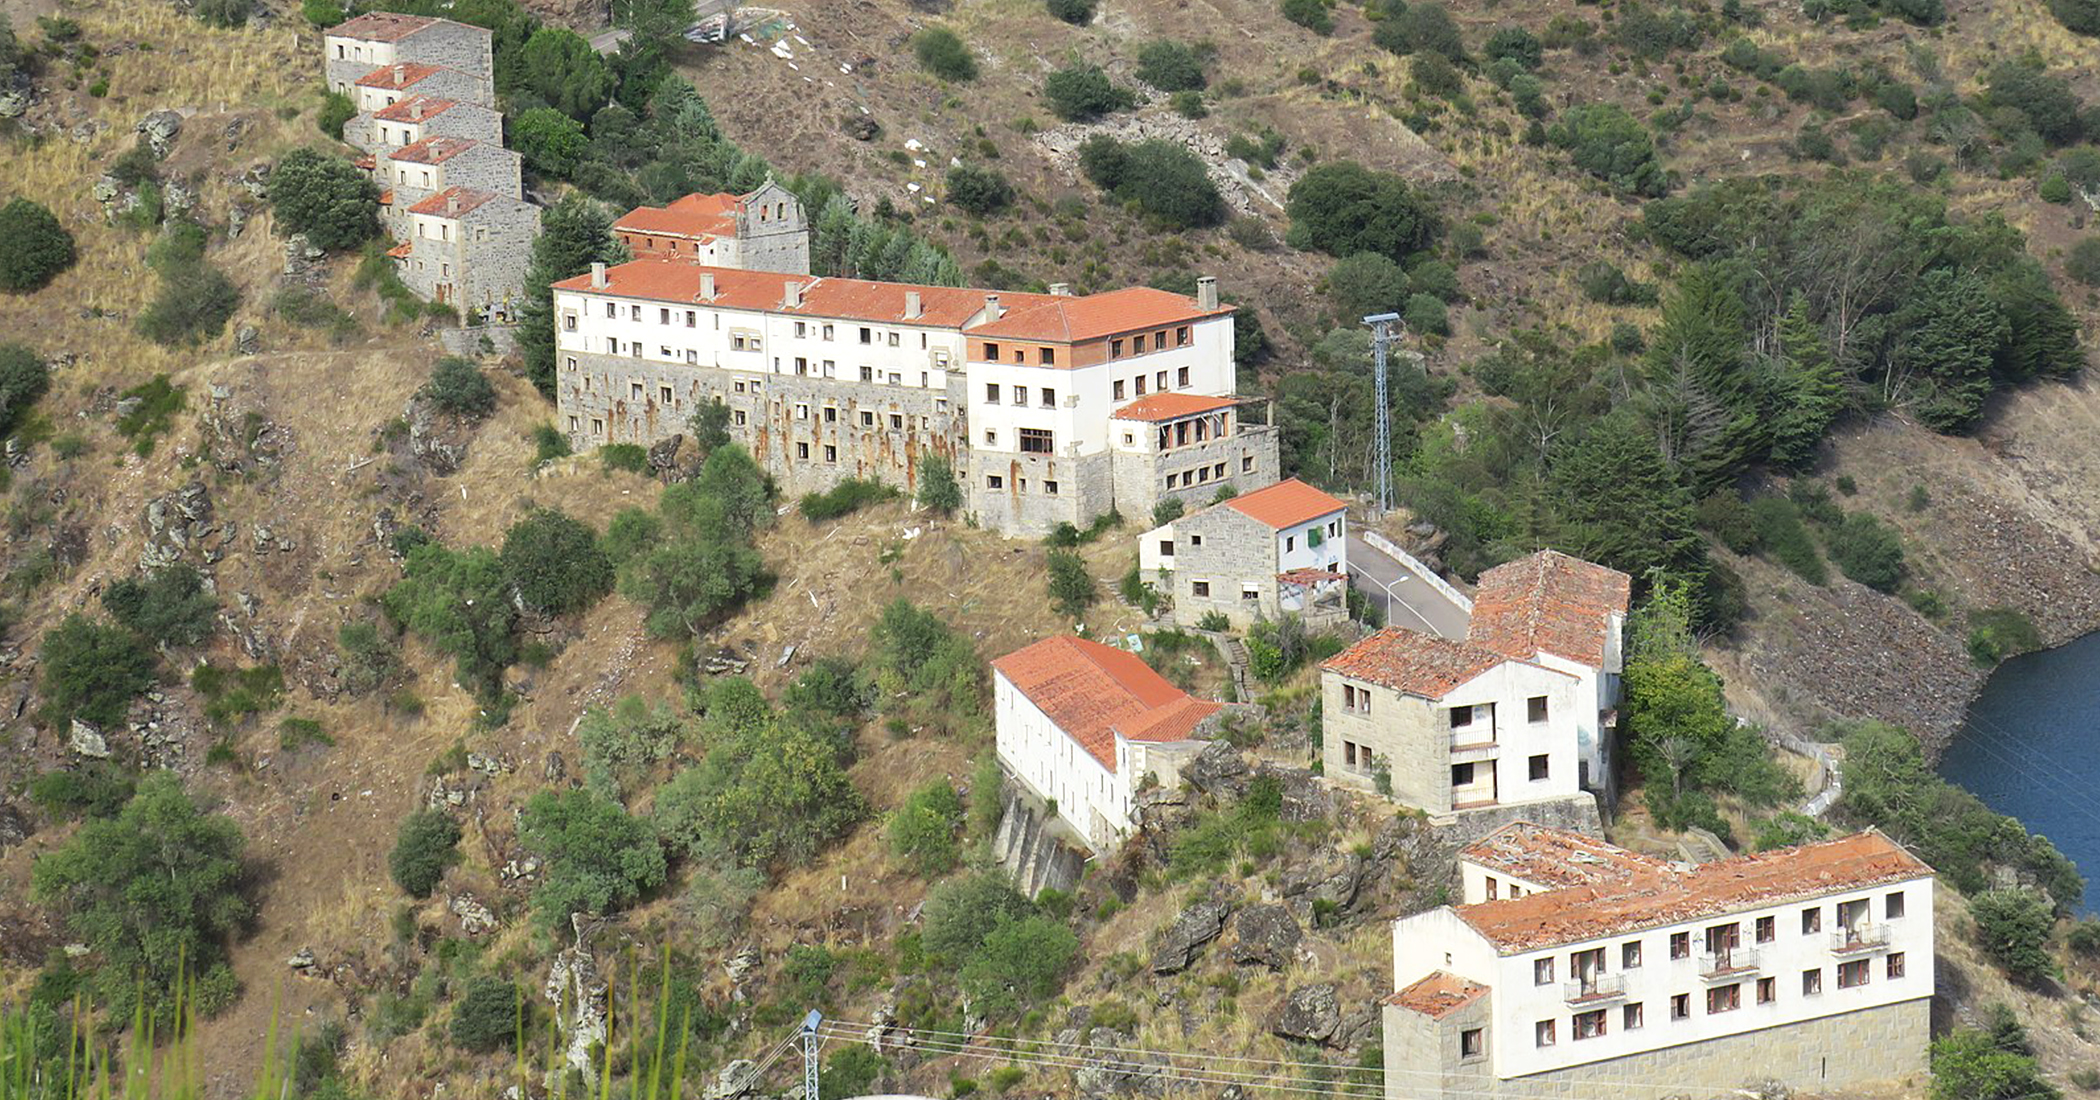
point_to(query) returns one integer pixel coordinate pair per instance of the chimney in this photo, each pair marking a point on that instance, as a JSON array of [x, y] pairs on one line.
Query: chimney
[[415, 109], [452, 204], [1061, 290], [707, 286], [400, 75], [992, 312], [914, 306], [597, 276], [792, 299], [1207, 292]]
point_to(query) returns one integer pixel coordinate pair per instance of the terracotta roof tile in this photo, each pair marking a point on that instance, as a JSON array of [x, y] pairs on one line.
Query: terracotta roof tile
[[1093, 691], [1549, 602], [416, 108], [398, 76], [469, 200], [1285, 504], [401, 251], [1422, 665], [694, 216], [1681, 893], [380, 26], [1065, 319], [435, 149], [1438, 995], [1556, 858], [736, 288], [1170, 406]]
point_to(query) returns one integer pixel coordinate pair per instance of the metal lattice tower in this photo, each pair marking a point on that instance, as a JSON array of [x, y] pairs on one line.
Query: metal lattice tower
[[811, 1042], [1382, 484]]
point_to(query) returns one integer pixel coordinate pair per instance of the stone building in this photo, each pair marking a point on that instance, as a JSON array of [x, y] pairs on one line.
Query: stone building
[[1574, 967], [1278, 551], [830, 378], [359, 46], [423, 116], [761, 231], [388, 85], [1517, 713], [469, 249], [1081, 724], [412, 173]]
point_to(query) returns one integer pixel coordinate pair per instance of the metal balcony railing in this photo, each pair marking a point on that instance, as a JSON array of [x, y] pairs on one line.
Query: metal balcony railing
[[1734, 962], [1595, 989], [1859, 939]]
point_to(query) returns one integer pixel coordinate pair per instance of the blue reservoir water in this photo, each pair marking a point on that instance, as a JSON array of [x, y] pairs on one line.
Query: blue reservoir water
[[2031, 747]]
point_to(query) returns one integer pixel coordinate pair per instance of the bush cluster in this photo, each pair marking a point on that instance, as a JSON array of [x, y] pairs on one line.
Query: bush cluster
[[1163, 178], [34, 247]]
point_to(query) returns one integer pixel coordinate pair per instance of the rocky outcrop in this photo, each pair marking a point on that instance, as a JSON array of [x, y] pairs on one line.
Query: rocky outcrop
[[1218, 771], [85, 740], [1311, 1014], [14, 827], [159, 130], [1265, 935], [1113, 1072], [178, 525], [578, 995], [1184, 939]]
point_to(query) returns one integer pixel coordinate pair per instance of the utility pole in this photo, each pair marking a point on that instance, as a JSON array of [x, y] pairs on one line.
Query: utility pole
[[810, 1043], [1382, 484]]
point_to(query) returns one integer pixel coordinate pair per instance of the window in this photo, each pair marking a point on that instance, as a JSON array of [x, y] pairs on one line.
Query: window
[[1181, 378], [831, 453], [1494, 888], [801, 329], [1137, 344], [802, 411], [991, 352], [994, 481], [1535, 709], [1680, 945], [893, 340], [1892, 906], [1630, 1017], [1118, 387], [597, 426], [1166, 548], [1290, 542], [1630, 955], [1811, 921], [1046, 357], [1050, 488], [1542, 1033], [1181, 336], [568, 322], [896, 422], [1767, 990], [1020, 395], [1035, 441], [1246, 464], [572, 362], [1020, 485], [801, 450], [691, 319], [867, 418], [663, 394], [1250, 592], [1195, 540], [1542, 971], [831, 414], [634, 391], [1589, 1025], [1854, 973], [1312, 534], [1681, 1006], [1472, 1043], [1356, 699], [1724, 998], [867, 373], [1199, 588], [827, 332], [1895, 968], [1049, 399], [1767, 929], [991, 393], [1115, 350], [867, 335], [1461, 717], [663, 316], [1139, 382], [1159, 381], [740, 417], [1812, 982]]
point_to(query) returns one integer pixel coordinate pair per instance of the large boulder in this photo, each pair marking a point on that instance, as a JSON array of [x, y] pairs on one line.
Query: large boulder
[[14, 827], [1218, 770], [1183, 940], [159, 130], [1265, 935], [1116, 1074], [1305, 798], [1311, 1014], [87, 741]]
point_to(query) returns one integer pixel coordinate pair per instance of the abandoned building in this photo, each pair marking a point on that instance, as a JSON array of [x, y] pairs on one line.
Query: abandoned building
[[1518, 713], [469, 249], [761, 231], [1036, 399], [1810, 968], [1280, 550], [1081, 725], [363, 46], [419, 117]]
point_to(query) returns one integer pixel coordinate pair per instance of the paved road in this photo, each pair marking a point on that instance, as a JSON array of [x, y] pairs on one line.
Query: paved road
[[1410, 601]]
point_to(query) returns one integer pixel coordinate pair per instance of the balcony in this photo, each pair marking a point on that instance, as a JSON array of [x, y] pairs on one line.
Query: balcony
[[1723, 965], [1596, 989], [1860, 939]]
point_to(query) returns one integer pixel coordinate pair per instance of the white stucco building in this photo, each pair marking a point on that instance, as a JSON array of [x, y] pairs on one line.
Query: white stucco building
[[1081, 724], [1281, 550], [1573, 963]]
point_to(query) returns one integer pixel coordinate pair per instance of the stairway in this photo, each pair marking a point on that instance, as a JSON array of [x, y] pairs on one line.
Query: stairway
[[1236, 662]]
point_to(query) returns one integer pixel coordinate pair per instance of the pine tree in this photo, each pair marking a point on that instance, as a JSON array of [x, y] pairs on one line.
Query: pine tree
[[1811, 388], [1701, 398], [573, 235]]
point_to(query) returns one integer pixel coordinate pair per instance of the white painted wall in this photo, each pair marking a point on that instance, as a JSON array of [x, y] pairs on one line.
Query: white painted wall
[[1039, 753], [1510, 687], [1473, 882], [1295, 549]]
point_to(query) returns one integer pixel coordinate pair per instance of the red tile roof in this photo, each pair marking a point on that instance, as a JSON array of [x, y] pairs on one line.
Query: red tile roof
[[469, 200], [435, 149], [386, 197], [1549, 602], [1556, 858], [1422, 665], [1172, 406], [401, 251], [1287, 503], [736, 288], [1438, 995], [416, 108], [1094, 692], [693, 217], [397, 76], [380, 26], [1065, 319], [1678, 894], [1310, 576]]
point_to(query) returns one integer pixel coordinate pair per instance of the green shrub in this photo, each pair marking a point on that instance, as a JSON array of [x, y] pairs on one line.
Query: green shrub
[[923, 831], [1072, 590], [34, 247], [623, 745], [325, 197], [424, 846], [233, 694], [1214, 621], [1342, 208], [223, 13], [2083, 262], [2013, 928], [1076, 12], [1083, 93], [598, 857], [1968, 1064], [336, 110], [321, 13], [979, 191], [771, 791], [167, 607], [312, 309], [848, 496], [1310, 14], [1868, 552], [941, 52], [92, 671], [295, 733], [1162, 177], [194, 303], [458, 387], [1514, 43], [369, 659], [487, 1017], [1612, 145], [1422, 27], [1780, 531], [1171, 66], [460, 602], [1996, 633], [23, 379], [555, 563], [91, 790], [549, 444], [1425, 313], [631, 457], [938, 490]]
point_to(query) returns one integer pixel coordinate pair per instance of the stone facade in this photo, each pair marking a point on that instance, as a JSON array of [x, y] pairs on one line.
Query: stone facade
[[479, 167], [459, 46], [376, 135], [394, 85], [1225, 561], [476, 260], [1842, 1051], [1248, 457], [772, 231]]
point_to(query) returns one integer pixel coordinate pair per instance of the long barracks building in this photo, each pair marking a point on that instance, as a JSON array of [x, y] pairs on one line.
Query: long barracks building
[[1052, 407]]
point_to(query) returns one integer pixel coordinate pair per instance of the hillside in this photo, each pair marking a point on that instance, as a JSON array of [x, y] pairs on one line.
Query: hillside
[[313, 450]]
